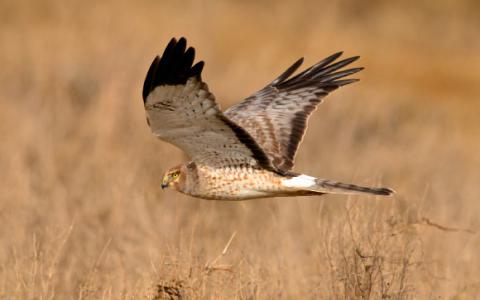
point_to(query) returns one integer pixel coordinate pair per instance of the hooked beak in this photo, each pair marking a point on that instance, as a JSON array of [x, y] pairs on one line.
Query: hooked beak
[[165, 182]]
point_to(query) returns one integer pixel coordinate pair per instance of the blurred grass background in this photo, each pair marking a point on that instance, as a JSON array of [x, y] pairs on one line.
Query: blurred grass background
[[81, 208]]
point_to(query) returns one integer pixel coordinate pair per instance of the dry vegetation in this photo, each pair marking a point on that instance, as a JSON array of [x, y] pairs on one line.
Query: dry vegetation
[[81, 212]]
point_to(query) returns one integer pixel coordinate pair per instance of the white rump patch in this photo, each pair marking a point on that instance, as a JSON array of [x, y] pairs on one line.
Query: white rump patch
[[302, 181]]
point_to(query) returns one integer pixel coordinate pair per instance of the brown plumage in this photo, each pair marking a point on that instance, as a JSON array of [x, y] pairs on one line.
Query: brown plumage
[[247, 151]]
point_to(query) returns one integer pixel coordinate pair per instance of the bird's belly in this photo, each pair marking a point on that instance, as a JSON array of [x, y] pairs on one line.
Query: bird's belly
[[238, 184], [234, 196], [248, 194]]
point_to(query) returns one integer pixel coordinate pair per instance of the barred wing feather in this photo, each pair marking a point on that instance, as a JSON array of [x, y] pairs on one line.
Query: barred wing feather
[[181, 110], [276, 116]]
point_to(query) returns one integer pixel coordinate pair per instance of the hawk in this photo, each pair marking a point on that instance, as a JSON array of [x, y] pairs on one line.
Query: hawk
[[248, 150]]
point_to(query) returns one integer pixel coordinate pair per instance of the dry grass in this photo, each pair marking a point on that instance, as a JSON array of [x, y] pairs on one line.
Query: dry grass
[[82, 215]]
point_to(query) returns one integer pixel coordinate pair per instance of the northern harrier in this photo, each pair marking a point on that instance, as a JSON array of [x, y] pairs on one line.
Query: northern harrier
[[248, 150]]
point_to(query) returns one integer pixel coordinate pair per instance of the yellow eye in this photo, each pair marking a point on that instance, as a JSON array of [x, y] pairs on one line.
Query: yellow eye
[[175, 175]]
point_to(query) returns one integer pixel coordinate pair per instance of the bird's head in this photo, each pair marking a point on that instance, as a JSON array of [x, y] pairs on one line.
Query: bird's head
[[173, 177]]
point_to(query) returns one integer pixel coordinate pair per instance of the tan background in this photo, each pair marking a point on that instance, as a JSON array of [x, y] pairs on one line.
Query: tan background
[[81, 209]]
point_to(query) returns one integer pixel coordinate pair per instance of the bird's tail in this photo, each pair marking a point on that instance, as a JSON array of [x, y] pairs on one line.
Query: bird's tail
[[324, 186], [332, 187]]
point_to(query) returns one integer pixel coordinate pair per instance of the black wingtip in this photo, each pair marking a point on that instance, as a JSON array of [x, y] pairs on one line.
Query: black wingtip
[[173, 67], [288, 72], [147, 84], [326, 74], [384, 191]]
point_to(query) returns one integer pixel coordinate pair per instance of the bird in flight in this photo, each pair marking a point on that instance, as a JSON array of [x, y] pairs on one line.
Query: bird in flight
[[248, 150]]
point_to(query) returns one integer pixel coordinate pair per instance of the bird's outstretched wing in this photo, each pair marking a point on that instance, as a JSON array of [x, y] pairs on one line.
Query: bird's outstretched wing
[[181, 111], [276, 116]]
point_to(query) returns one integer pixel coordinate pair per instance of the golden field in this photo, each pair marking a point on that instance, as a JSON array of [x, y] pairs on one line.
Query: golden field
[[81, 210]]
